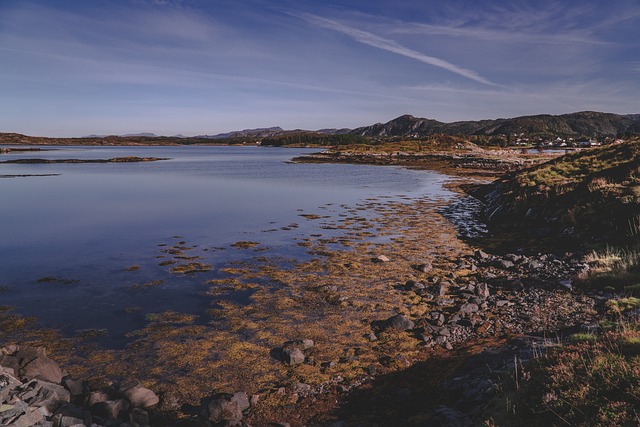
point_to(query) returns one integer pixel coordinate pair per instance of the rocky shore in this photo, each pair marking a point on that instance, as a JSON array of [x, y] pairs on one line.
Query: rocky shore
[[414, 329], [467, 162]]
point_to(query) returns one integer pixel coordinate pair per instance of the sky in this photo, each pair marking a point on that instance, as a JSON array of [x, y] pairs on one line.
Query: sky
[[193, 67]]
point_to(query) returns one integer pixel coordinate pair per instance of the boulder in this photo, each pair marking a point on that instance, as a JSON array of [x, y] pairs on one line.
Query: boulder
[[29, 363], [398, 322], [242, 399], [302, 344], [141, 397], [223, 409], [293, 356], [382, 258]]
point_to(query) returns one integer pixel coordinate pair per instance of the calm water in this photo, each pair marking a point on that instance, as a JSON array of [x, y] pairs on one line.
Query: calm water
[[92, 221]]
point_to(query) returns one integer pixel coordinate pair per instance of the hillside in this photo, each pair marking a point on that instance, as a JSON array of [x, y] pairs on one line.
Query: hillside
[[591, 197], [586, 123]]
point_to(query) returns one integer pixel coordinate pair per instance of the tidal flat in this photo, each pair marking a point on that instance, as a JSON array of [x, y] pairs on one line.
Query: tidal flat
[[379, 287]]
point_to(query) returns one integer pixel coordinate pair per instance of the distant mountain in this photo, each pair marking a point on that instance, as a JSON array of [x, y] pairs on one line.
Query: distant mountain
[[271, 132], [585, 123], [128, 135], [248, 133]]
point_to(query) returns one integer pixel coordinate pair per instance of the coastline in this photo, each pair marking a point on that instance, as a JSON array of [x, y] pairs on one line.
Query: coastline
[[343, 300]]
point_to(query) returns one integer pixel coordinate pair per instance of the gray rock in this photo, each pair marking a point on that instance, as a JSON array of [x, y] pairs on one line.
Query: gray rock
[[76, 388], [67, 421], [566, 284], [482, 290], [97, 397], [533, 265], [303, 344], [293, 356], [30, 362], [504, 264], [469, 308], [382, 258], [141, 397], [30, 417], [302, 389], [482, 255], [224, 409], [438, 290], [424, 268], [398, 322], [242, 399]]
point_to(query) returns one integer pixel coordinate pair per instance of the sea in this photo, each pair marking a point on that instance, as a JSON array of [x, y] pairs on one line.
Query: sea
[[76, 238]]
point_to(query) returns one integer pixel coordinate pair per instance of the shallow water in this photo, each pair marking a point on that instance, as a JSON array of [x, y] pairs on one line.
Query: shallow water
[[92, 221]]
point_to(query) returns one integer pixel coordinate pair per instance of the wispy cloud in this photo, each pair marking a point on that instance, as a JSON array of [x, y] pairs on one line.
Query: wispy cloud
[[376, 41], [145, 74]]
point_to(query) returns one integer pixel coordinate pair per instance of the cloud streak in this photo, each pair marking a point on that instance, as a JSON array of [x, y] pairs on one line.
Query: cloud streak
[[373, 40]]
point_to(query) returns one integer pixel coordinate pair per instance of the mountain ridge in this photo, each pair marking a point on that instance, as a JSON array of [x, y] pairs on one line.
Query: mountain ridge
[[582, 123]]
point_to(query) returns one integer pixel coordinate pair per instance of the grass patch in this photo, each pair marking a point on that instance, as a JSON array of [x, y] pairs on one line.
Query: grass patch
[[591, 382]]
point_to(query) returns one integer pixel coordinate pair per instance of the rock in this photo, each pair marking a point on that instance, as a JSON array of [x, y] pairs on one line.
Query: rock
[[140, 397], [566, 284], [28, 418], [47, 396], [482, 290], [224, 409], [398, 322], [423, 268], [438, 290], [382, 258], [533, 265], [303, 344], [280, 424], [255, 398], [302, 389], [503, 264], [481, 255], [110, 409], [30, 362], [97, 397], [242, 399], [469, 308], [76, 388], [293, 356], [67, 421]]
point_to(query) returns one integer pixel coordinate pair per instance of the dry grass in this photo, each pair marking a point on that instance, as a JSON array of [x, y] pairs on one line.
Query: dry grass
[[592, 382]]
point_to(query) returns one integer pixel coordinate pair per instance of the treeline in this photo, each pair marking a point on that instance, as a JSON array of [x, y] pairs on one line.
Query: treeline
[[312, 138]]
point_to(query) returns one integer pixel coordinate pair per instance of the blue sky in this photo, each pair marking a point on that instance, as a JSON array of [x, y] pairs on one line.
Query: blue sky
[[72, 68]]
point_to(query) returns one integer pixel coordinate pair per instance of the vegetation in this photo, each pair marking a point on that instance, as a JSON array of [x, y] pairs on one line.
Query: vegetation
[[594, 381], [591, 197], [313, 138]]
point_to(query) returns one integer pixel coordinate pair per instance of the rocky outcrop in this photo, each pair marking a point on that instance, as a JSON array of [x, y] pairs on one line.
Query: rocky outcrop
[[35, 391]]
